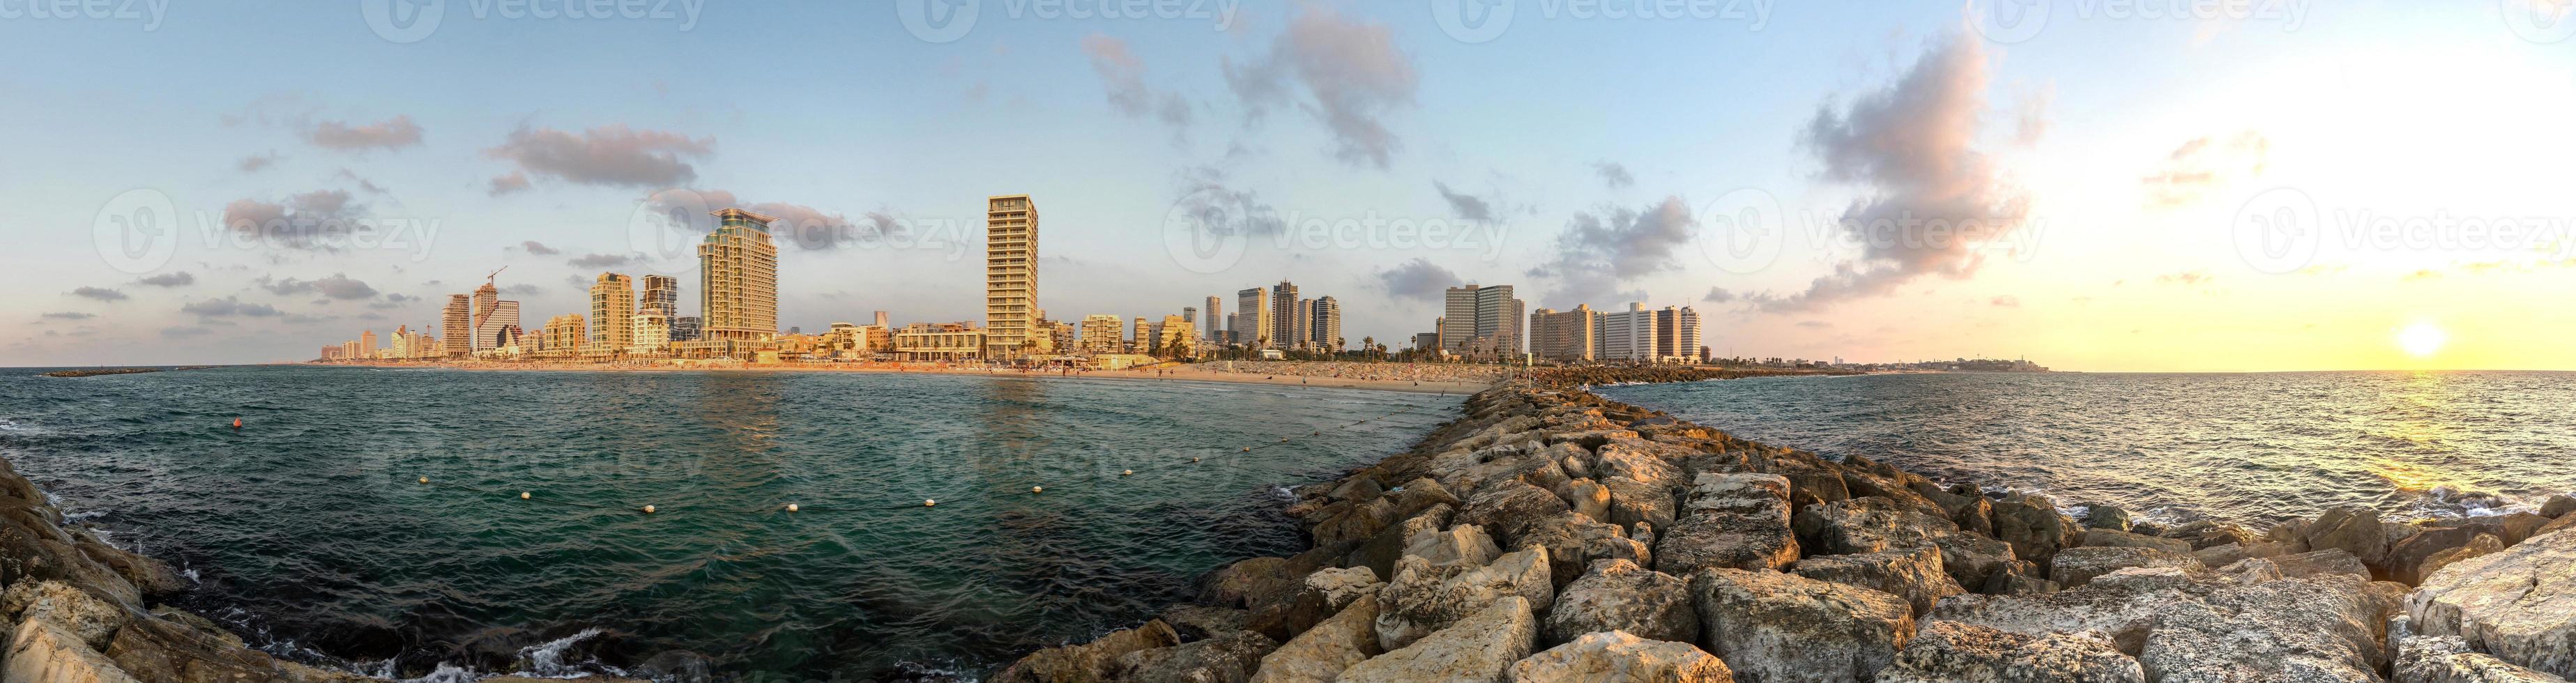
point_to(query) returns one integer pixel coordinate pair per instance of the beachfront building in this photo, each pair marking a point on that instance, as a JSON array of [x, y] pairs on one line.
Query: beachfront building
[[1489, 314], [1565, 336], [1324, 331], [1677, 335], [684, 328], [563, 337], [1427, 341], [367, 344], [661, 295], [457, 325], [652, 331], [1176, 337], [488, 329], [737, 289], [1100, 334], [1285, 328], [939, 342], [1143, 339], [1215, 321], [1010, 276], [1628, 335], [1252, 318], [612, 312]]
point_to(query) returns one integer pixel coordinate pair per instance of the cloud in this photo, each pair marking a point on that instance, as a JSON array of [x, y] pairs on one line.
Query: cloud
[[394, 133], [363, 183], [337, 286], [256, 162], [1465, 206], [99, 293], [304, 221], [535, 248], [228, 307], [523, 289], [802, 226], [514, 182], [171, 279], [602, 260], [1418, 279], [1932, 202], [393, 301], [1718, 295], [1223, 211], [1345, 73], [1123, 75], [1601, 250], [1614, 174], [2005, 301], [69, 315], [612, 155], [175, 332], [2195, 277], [2202, 166], [1814, 324]]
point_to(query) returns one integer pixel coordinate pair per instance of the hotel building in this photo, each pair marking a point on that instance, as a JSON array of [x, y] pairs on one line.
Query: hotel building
[[1010, 275], [1628, 335], [612, 312], [737, 288], [1565, 335], [1483, 320], [1252, 318]]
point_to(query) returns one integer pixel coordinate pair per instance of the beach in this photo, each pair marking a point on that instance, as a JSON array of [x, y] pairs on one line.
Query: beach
[[1423, 378]]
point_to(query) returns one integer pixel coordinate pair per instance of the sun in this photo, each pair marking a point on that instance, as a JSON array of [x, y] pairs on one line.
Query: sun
[[2422, 339]]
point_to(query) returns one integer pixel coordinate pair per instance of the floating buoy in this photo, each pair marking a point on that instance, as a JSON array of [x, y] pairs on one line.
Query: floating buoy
[[424, 480], [236, 424], [523, 495], [1123, 473], [928, 503], [1247, 449], [1194, 458], [791, 507], [648, 509], [1037, 489]]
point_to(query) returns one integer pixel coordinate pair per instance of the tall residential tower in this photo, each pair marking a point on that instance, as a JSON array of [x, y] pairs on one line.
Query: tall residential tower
[[738, 279], [1010, 275]]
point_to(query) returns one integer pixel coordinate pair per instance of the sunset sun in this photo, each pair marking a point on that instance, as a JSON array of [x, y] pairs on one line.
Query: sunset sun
[[2422, 339]]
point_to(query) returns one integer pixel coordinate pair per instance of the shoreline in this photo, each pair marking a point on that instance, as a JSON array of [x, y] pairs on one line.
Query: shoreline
[[1197, 372]]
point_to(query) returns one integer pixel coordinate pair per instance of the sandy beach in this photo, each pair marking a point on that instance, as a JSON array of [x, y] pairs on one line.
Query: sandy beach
[[1404, 377]]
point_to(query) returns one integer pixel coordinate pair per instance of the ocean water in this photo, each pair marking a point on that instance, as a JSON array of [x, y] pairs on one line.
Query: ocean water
[[2251, 448], [308, 529]]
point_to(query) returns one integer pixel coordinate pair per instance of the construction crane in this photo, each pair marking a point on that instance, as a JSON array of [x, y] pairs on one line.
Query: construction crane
[[487, 279]]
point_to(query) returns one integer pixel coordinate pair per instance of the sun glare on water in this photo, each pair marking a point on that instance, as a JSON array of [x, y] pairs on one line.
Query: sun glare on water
[[2422, 339]]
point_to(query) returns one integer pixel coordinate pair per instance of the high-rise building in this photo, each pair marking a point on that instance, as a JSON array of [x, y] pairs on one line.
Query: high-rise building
[[1100, 334], [738, 279], [484, 299], [564, 333], [490, 329], [612, 312], [1010, 275], [652, 332], [1326, 330], [1284, 330], [1252, 318], [685, 328], [457, 325], [1190, 314], [1482, 317], [1628, 335], [661, 295], [1176, 337], [1567, 335], [1144, 338], [1215, 321], [1676, 334], [881, 320], [367, 344]]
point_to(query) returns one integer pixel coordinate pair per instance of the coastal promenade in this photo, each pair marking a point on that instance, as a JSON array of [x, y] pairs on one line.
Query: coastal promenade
[[1549, 534]]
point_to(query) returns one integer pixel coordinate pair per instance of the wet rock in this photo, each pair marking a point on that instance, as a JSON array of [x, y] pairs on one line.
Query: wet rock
[[2320, 563], [1866, 525], [2206, 534], [2231, 553], [2018, 577], [41, 650], [1421, 494], [2076, 566], [1618, 595], [2482, 545], [2100, 516], [1616, 657], [2350, 529], [1359, 488], [2518, 604], [2406, 558], [1198, 622], [1322, 594], [1480, 646], [1739, 521], [2034, 527], [1352, 521], [1247, 583], [1321, 653], [1950, 652], [1972, 559], [1913, 574], [83, 616], [1226, 658], [2558, 506], [1090, 661], [677, 666], [1574, 541], [1783, 628], [1421, 600], [1379, 552], [2122, 539]]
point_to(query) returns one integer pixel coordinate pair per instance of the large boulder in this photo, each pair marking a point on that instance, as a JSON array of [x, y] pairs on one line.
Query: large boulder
[[2018, 577], [1618, 595], [2320, 563], [1226, 658], [1574, 541], [2558, 506], [2353, 530], [1951, 652], [1616, 657], [2034, 527], [1480, 646], [2518, 604], [2483, 545], [1812, 479], [1913, 574], [1321, 653], [1090, 661], [2098, 538], [1633, 501], [2406, 557], [1783, 628], [1589, 499], [1866, 525], [2230, 553], [1507, 508], [2207, 533], [2076, 566], [2100, 516], [1351, 521], [2187, 627], [1732, 520], [1464, 545], [84, 616], [1248, 583], [1421, 494], [1379, 552], [1422, 599], [1323, 593], [42, 651], [1973, 559], [2448, 659]]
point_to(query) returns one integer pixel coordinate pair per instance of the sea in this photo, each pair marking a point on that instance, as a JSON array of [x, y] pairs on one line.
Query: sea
[[444, 525], [2250, 448]]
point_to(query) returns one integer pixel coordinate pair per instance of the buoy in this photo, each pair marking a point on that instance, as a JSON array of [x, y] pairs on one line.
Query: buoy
[[648, 509], [1037, 489], [928, 503], [1247, 449], [1194, 458], [236, 424], [1123, 473], [523, 495], [791, 507], [424, 480]]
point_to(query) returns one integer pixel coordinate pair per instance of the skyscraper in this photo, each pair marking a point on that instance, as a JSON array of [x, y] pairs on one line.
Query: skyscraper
[[881, 320], [1482, 316], [612, 312], [367, 344], [1215, 321], [1676, 334], [1305, 334], [457, 326], [1327, 326], [661, 295], [1628, 335], [737, 283], [1252, 318], [1010, 274], [493, 331], [1283, 315], [484, 299], [1567, 335]]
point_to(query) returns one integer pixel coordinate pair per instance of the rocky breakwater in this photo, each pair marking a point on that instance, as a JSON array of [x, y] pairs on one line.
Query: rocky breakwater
[[1552, 535]]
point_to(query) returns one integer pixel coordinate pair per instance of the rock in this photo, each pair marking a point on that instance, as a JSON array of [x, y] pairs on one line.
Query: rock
[[1574, 541], [1812, 480], [82, 615], [1421, 494], [1643, 461], [2205, 534], [2076, 566], [2099, 516], [2518, 604], [2484, 544], [677, 666], [1379, 552], [1973, 559], [1090, 661], [1589, 498], [1866, 525], [2350, 529], [1352, 521], [1618, 595], [2558, 506], [1227, 658], [1199, 622], [1321, 653], [204, 626], [2448, 659], [2231, 553], [42, 651], [1421, 599], [1321, 594], [172, 652], [1480, 646], [2406, 558], [1247, 583], [1734, 520], [2122, 539], [2034, 527], [2320, 563], [1359, 488], [1633, 501], [1464, 545], [1950, 652], [1913, 574], [1782, 628], [2018, 577], [1972, 512], [1615, 657], [1341, 586], [2186, 627]]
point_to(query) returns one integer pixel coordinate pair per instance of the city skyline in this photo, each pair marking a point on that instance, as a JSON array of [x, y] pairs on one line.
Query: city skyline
[[2116, 199]]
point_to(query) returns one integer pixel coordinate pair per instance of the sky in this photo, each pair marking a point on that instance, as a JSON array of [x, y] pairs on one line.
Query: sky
[[2106, 185]]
